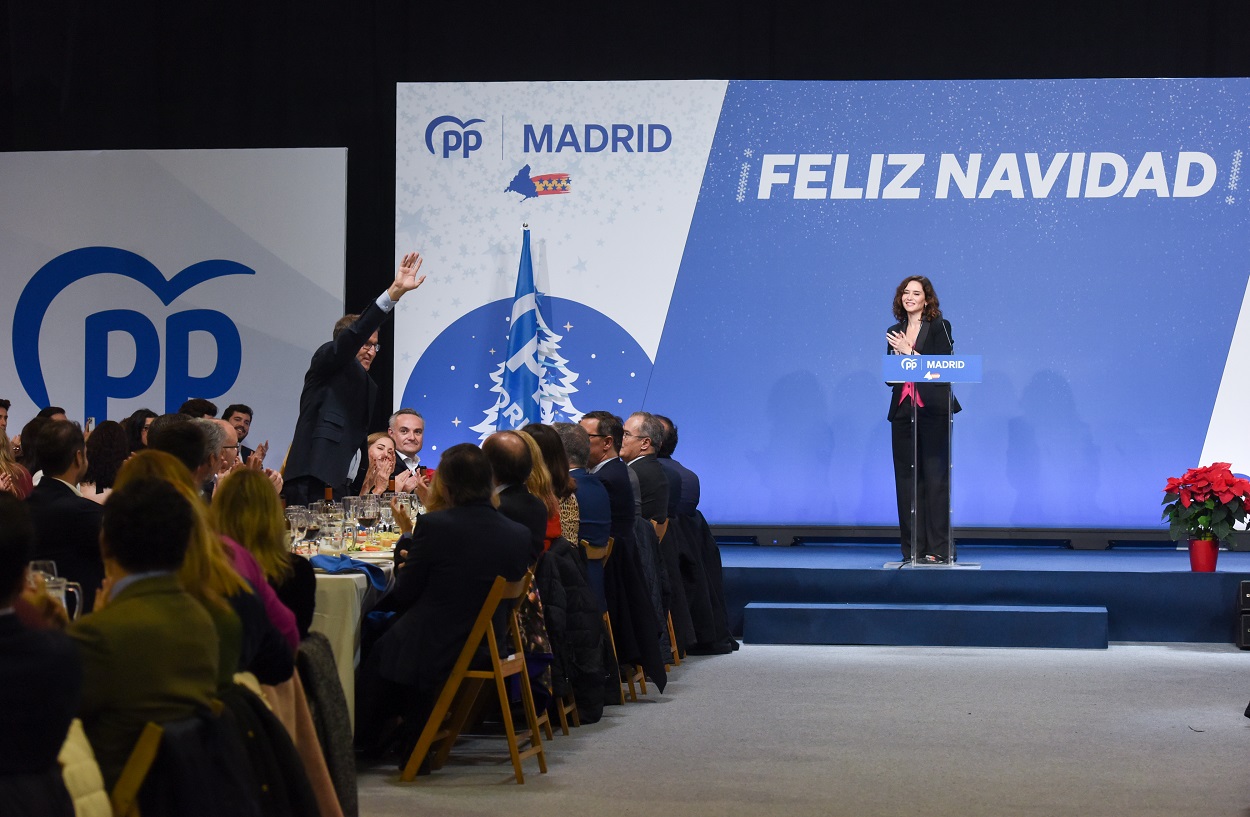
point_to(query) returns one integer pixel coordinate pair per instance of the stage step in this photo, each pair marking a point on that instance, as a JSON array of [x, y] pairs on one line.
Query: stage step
[[926, 625]]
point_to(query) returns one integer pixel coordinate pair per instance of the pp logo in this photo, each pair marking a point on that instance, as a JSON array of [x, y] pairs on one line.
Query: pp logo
[[457, 137], [909, 364], [98, 385]]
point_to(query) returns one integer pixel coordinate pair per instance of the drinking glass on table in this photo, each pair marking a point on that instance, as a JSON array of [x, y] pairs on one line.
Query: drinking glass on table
[[384, 512], [44, 568], [351, 520], [298, 521], [368, 515]]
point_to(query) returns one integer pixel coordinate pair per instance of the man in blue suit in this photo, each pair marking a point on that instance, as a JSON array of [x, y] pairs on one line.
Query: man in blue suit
[[595, 510]]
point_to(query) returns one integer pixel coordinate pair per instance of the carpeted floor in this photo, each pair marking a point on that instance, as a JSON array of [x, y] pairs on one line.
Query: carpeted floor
[[861, 731]]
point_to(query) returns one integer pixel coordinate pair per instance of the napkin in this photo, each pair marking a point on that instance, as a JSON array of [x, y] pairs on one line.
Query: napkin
[[346, 564]]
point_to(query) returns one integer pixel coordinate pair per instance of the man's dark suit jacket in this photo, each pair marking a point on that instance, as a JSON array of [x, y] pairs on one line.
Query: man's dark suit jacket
[[594, 508], [453, 559], [41, 679], [67, 530], [615, 478], [689, 502], [335, 406], [519, 505], [245, 452], [654, 487], [673, 474]]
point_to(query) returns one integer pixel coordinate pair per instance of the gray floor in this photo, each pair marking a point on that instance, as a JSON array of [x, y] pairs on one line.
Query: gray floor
[[1133, 730]]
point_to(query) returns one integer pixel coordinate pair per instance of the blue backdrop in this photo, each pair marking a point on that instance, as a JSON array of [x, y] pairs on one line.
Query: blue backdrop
[[1104, 322]]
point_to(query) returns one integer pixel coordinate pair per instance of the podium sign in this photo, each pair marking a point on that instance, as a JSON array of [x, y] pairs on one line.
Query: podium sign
[[935, 370], [931, 368]]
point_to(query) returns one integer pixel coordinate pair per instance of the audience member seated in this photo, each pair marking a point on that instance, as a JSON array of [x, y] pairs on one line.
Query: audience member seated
[[190, 443], [606, 435], [688, 481], [563, 486], [197, 408], [249, 641], [380, 456], [149, 651], [539, 484], [240, 417], [454, 557], [247, 509], [40, 684], [107, 448], [137, 426], [407, 430], [14, 478], [511, 463], [641, 439], [26, 447], [594, 511], [67, 526]]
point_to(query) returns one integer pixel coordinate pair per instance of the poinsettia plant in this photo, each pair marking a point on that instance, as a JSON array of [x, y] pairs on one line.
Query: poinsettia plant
[[1205, 503]]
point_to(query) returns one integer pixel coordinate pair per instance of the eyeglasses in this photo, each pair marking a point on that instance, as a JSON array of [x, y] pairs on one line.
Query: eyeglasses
[[229, 446], [598, 435], [636, 436], [376, 347]]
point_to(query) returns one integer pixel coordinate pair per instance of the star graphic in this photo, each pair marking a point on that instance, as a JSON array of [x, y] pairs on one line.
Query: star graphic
[[456, 422], [568, 326], [492, 351]]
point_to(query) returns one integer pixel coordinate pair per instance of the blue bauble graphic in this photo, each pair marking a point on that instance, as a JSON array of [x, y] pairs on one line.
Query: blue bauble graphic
[[451, 383]]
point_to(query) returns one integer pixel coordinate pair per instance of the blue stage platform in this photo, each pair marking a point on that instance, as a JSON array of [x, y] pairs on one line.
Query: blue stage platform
[[842, 594]]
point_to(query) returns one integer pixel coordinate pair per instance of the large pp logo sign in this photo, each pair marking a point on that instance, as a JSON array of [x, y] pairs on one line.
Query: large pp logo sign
[[457, 137], [98, 386]]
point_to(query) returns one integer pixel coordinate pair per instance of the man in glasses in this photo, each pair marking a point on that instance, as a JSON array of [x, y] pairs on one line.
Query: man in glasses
[[339, 397], [641, 440]]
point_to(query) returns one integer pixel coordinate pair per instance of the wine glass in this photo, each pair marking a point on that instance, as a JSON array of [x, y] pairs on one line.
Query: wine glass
[[351, 520], [385, 516], [368, 514], [297, 518], [41, 568]]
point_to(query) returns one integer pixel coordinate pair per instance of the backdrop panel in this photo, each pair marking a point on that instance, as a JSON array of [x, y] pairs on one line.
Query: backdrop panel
[[1087, 237], [141, 278]]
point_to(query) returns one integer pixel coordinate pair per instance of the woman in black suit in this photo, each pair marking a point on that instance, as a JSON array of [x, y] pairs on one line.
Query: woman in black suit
[[921, 330]]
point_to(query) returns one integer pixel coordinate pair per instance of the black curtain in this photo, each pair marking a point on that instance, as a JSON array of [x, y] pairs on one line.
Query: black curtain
[[91, 74]]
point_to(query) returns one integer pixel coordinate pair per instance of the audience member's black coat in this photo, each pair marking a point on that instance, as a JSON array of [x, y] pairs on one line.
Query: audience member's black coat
[[654, 487], [519, 505], [67, 530], [40, 681], [299, 593], [575, 627]]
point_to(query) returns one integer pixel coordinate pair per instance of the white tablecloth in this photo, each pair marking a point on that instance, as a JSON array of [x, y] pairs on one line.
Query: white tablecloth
[[340, 603]]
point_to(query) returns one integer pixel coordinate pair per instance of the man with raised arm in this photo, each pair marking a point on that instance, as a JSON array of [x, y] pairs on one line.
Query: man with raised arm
[[339, 396]]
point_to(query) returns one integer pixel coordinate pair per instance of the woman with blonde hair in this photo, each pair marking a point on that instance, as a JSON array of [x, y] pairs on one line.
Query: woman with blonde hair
[[247, 509], [380, 449], [563, 486], [14, 478], [211, 573], [540, 485]]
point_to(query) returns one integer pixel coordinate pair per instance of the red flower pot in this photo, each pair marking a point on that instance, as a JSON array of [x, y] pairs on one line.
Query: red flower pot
[[1202, 555]]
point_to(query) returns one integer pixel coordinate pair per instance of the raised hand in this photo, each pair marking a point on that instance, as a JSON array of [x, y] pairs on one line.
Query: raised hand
[[406, 279]]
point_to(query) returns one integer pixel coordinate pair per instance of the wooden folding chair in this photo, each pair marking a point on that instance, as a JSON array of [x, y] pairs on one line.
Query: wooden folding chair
[[633, 674], [672, 640], [125, 795], [459, 698]]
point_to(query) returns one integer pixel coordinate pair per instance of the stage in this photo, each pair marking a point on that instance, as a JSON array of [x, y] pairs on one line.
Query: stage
[[1020, 596]]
